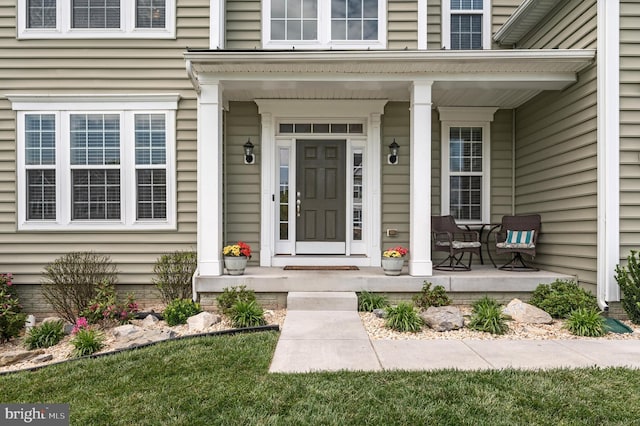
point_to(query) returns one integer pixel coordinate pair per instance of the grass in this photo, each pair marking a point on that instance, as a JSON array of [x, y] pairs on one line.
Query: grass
[[224, 380]]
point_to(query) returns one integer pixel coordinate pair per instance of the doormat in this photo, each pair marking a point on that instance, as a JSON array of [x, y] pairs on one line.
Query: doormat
[[321, 268], [616, 326]]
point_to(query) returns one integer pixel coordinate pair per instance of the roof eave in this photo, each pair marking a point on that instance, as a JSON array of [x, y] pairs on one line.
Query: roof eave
[[523, 20]]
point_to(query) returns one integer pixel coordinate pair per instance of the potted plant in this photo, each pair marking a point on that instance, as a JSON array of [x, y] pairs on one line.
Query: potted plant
[[235, 257], [393, 259]]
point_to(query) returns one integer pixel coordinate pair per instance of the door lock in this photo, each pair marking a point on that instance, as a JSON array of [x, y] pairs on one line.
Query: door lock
[[298, 203]]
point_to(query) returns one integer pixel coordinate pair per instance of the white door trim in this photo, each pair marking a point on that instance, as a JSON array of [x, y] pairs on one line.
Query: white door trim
[[273, 110]]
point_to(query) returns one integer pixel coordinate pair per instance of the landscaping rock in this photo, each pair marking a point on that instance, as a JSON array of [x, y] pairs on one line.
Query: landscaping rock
[[42, 358], [380, 313], [126, 330], [525, 313], [9, 358], [443, 318], [130, 338], [149, 321], [202, 321], [50, 319]]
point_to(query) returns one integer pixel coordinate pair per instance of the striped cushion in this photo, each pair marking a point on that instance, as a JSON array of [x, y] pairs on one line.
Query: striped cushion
[[520, 239]]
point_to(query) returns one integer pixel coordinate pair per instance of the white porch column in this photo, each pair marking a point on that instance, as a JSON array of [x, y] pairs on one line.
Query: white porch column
[[209, 216], [420, 180]]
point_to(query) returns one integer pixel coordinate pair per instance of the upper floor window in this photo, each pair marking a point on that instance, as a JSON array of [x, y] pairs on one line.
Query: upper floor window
[[107, 164], [96, 18], [322, 24], [466, 24]]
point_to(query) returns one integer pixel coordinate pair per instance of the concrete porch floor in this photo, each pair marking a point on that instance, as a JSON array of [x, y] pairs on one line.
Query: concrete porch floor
[[481, 279]]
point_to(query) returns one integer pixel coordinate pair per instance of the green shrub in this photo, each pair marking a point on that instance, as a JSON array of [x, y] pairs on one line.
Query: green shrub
[[586, 322], [404, 318], [70, 282], [367, 302], [105, 307], [173, 274], [45, 335], [178, 311], [561, 297], [628, 278], [231, 295], [11, 317], [431, 297], [87, 341], [247, 314], [487, 316]]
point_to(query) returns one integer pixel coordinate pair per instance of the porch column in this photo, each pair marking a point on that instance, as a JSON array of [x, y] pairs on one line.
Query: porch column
[[209, 177], [420, 180]]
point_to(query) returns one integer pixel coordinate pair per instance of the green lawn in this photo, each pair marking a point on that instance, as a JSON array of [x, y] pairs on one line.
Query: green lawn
[[224, 380]]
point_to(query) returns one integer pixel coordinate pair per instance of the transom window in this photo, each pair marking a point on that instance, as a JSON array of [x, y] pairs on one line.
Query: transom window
[[321, 24], [466, 24], [96, 18], [103, 168], [334, 128]]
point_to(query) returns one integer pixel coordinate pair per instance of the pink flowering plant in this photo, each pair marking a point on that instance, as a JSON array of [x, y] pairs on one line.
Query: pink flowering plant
[[105, 307], [398, 251], [86, 340], [11, 316], [81, 324]]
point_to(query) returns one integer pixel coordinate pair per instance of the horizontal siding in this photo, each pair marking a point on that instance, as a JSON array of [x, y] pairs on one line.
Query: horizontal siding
[[434, 25], [101, 67], [629, 126], [402, 24], [501, 164], [243, 24], [242, 182], [556, 175], [573, 25], [501, 11]]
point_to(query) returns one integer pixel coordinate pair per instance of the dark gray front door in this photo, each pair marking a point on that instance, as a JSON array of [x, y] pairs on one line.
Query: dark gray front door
[[320, 196]]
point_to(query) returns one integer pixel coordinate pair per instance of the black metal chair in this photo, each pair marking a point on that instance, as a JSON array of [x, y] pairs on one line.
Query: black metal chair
[[455, 241], [518, 235]]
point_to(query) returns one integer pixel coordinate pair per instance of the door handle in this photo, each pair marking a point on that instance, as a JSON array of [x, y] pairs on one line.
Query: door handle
[[298, 204]]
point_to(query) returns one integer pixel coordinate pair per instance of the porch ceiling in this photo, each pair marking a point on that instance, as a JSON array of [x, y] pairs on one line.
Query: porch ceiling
[[502, 78]]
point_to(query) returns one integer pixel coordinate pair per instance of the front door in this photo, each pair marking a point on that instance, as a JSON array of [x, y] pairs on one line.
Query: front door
[[320, 196]]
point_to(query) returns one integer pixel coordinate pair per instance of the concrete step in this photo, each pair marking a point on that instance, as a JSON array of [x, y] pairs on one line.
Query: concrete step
[[322, 301]]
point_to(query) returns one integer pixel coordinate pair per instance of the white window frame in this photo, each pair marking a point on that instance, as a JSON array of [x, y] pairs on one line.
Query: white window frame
[[127, 28], [446, 22], [127, 107], [324, 31], [466, 117]]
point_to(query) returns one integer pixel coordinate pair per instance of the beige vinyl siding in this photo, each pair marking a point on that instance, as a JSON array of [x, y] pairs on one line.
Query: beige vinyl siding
[[572, 26], [402, 24], [101, 67], [434, 24], [501, 164], [501, 11], [556, 175], [242, 181], [395, 178], [629, 126], [243, 24]]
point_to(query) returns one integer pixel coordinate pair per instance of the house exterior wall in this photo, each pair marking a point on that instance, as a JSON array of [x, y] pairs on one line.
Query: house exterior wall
[[629, 126], [556, 152], [93, 66], [243, 24]]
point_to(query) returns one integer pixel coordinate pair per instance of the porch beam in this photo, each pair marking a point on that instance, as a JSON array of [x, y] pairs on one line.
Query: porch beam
[[209, 176], [420, 263]]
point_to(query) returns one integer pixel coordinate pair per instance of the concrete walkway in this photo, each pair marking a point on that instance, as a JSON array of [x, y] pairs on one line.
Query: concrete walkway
[[336, 340]]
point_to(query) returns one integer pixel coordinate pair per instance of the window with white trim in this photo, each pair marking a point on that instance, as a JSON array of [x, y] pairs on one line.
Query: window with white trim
[[322, 24], [97, 165], [466, 24], [466, 163], [96, 18]]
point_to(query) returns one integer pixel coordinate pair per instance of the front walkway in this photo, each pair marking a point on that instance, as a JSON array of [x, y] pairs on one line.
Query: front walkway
[[337, 340]]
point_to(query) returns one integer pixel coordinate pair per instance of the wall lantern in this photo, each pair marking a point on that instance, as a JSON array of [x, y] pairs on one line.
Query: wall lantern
[[249, 157], [392, 158]]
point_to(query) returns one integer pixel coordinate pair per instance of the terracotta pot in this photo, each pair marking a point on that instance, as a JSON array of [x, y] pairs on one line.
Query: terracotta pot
[[392, 265], [235, 265]]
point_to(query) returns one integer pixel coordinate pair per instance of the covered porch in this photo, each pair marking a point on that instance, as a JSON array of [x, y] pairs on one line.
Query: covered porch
[[356, 85]]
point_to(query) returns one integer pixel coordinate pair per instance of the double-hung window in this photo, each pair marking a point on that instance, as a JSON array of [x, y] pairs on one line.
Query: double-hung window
[[466, 163], [96, 164], [466, 24], [324, 23], [96, 18]]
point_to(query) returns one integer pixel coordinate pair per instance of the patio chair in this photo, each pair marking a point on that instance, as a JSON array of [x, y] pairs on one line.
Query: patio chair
[[455, 241], [518, 235]]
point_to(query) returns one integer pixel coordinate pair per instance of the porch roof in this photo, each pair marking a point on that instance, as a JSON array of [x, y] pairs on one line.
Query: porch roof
[[500, 78]]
